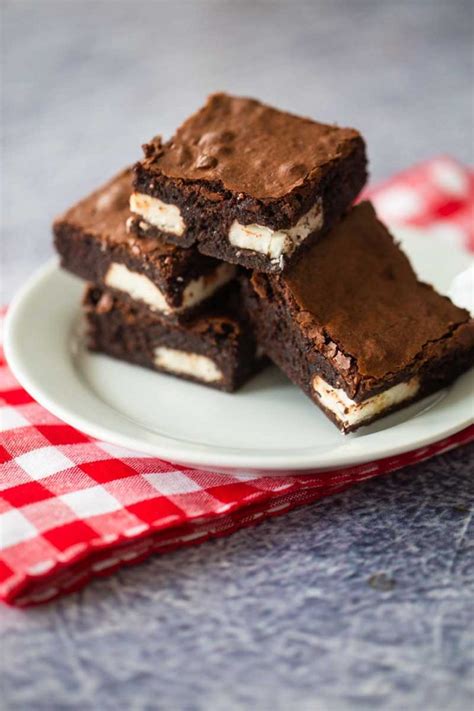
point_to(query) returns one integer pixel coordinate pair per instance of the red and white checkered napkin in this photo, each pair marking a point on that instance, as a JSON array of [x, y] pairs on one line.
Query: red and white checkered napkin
[[72, 508], [437, 194]]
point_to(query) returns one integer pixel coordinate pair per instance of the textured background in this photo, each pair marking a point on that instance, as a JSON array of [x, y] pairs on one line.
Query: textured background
[[363, 601]]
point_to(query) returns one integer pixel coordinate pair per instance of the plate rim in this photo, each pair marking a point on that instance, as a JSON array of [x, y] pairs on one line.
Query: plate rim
[[211, 459]]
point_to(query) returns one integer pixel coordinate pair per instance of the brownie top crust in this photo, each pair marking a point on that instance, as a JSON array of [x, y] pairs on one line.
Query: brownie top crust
[[357, 292], [245, 146], [104, 214]]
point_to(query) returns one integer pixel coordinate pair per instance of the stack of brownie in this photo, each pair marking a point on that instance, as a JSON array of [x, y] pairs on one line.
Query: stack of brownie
[[236, 240]]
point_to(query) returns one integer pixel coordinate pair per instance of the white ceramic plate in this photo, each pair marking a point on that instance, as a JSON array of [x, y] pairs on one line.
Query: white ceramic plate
[[268, 426]]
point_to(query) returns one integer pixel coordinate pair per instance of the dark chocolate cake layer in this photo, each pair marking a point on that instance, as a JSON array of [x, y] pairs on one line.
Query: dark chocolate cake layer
[[247, 183], [353, 326], [216, 348], [94, 242]]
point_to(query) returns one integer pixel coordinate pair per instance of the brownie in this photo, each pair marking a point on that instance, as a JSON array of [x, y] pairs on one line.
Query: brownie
[[93, 242], [247, 183], [216, 348], [352, 326]]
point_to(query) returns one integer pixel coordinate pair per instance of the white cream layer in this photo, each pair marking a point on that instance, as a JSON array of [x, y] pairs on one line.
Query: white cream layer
[[349, 412], [205, 286], [160, 214], [140, 288], [184, 363], [276, 243]]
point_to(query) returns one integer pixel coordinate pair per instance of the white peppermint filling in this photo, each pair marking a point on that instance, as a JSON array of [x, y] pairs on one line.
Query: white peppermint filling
[[137, 286], [349, 412], [184, 363], [160, 214], [140, 288], [205, 286], [276, 243]]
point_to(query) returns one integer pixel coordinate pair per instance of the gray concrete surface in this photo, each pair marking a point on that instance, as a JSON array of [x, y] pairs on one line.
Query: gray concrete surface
[[362, 601]]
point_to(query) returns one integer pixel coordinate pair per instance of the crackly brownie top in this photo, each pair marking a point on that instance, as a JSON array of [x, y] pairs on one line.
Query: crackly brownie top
[[248, 147], [357, 289], [104, 215]]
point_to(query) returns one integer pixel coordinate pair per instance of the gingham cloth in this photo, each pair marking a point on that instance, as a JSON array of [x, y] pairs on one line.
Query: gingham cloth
[[72, 508]]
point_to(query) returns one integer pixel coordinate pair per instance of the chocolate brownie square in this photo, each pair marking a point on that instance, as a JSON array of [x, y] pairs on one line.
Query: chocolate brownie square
[[93, 242], [352, 325], [247, 183], [216, 348]]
